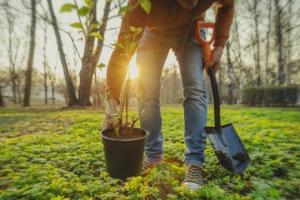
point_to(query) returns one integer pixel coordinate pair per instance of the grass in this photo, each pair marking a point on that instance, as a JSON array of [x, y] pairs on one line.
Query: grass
[[57, 154]]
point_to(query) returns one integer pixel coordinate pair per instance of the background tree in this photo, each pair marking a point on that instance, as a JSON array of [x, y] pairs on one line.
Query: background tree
[[12, 50], [4, 82], [28, 75], [72, 99], [45, 63]]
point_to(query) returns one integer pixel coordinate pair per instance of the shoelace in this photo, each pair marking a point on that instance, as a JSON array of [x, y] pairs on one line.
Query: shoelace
[[193, 174]]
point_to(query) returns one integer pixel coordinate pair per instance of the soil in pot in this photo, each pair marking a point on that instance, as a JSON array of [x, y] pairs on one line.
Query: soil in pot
[[125, 134]]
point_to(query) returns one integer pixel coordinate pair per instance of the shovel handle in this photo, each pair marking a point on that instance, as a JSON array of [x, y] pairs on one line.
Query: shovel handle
[[211, 72], [216, 97]]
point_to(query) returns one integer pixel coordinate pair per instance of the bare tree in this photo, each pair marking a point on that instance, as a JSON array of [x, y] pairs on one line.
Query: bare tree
[[269, 28], [4, 82], [45, 64], [72, 99], [28, 76], [289, 42], [52, 79], [253, 7], [229, 73], [12, 50], [279, 42]]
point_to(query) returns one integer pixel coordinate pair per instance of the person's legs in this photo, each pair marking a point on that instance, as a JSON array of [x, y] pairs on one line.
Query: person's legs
[[195, 102], [151, 55]]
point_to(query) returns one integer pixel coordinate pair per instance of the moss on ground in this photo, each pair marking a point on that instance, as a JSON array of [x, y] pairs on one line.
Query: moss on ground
[[57, 154]]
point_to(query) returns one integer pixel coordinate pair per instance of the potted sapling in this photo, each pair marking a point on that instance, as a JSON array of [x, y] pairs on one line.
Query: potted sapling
[[123, 143]]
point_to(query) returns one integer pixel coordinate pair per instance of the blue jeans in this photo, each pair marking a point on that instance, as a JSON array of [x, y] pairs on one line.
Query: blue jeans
[[151, 55]]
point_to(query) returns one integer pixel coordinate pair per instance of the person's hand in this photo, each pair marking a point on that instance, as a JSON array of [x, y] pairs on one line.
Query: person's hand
[[112, 118], [215, 61]]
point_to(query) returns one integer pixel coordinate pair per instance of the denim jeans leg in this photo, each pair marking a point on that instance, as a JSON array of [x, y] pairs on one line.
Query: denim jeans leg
[[151, 55], [195, 100]]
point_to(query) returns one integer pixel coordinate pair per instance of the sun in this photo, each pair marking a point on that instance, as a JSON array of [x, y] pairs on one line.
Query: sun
[[133, 72]]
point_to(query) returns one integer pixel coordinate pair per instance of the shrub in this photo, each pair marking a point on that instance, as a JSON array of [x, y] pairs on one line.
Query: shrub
[[271, 96]]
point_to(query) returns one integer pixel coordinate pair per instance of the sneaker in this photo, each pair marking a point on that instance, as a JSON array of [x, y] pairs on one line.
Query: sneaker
[[148, 165], [193, 179]]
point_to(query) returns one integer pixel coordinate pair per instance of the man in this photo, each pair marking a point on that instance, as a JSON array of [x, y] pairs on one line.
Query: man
[[169, 25]]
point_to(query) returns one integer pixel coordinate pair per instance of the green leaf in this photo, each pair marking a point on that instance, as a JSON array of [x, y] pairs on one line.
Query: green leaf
[[123, 9], [83, 11], [68, 7], [77, 25], [88, 2], [93, 26], [101, 65], [146, 5], [97, 35]]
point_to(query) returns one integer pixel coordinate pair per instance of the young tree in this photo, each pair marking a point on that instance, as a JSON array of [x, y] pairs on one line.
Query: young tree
[[28, 75], [92, 51], [72, 99]]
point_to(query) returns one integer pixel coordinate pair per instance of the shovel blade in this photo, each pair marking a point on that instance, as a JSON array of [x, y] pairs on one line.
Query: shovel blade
[[229, 149]]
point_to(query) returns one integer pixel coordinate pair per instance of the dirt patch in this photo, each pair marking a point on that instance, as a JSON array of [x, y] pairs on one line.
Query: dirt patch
[[164, 189]]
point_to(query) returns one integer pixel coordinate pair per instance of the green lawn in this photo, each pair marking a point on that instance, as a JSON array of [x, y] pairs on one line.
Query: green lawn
[[57, 154]]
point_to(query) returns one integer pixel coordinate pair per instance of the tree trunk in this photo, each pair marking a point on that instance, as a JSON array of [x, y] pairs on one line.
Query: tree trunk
[[240, 61], [11, 56], [45, 85], [90, 59], [53, 92], [257, 38], [230, 74], [28, 75], [289, 43], [13, 81], [70, 87], [279, 42], [18, 81], [1, 98], [45, 66], [268, 42]]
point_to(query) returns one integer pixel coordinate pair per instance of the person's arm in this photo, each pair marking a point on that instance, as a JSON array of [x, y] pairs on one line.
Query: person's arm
[[225, 13], [126, 46]]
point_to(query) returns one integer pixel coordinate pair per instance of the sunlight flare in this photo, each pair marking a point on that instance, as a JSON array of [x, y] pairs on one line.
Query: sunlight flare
[[133, 72]]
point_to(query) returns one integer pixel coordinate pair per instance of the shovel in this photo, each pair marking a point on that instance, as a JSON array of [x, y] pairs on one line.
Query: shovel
[[226, 143]]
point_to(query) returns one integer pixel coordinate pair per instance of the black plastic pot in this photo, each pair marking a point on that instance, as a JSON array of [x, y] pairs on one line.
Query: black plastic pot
[[124, 157]]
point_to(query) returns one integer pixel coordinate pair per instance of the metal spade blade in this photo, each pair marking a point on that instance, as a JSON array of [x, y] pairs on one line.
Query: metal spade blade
[[226, 143]]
